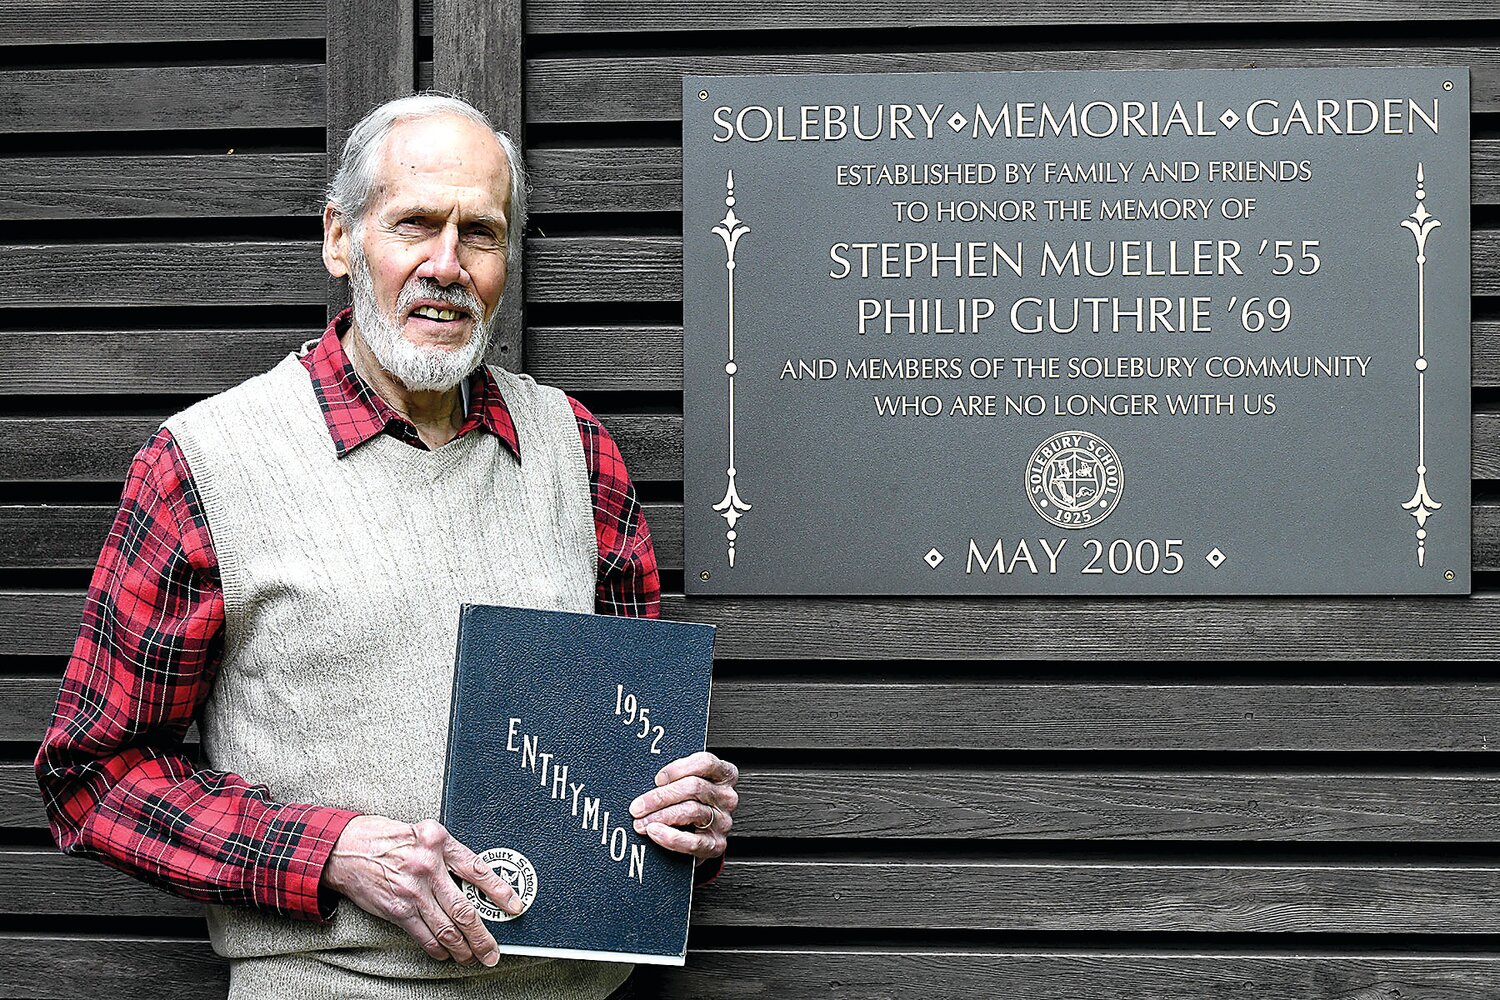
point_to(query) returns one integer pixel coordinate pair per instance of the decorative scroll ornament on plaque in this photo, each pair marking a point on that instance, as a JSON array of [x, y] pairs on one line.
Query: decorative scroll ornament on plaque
[[1420, 223], [730, 229]]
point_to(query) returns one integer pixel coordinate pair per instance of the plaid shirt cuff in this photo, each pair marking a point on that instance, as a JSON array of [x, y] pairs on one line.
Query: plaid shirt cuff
[[298, 842]]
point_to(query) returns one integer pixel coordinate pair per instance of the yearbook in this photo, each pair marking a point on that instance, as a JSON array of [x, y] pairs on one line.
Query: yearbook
[[559, 721]]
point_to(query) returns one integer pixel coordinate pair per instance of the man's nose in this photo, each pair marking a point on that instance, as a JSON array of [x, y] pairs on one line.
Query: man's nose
[[443, 265]]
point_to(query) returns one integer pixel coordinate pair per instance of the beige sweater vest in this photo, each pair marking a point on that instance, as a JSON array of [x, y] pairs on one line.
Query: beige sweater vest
[[342, 583]]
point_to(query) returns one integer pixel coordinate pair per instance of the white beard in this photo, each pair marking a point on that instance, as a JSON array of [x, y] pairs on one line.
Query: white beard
[[419, 368]]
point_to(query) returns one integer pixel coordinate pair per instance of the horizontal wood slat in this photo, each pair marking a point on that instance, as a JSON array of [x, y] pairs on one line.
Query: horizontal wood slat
[[175, 274], [66, 968], [612, 179], [139, 362], [69, 537], [129, 99], [144, 187], [52, 22], [574, 358], [1034, 805], [20, 798], [649, 268], [559, 269], [604, 269], [956, 895], [981, 716], [99, 449], [1210, 806], [649, 88], [649, 178], [573, 16]]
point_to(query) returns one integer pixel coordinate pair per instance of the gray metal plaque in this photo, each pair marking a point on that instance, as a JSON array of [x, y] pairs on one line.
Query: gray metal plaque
[[1184, 332]]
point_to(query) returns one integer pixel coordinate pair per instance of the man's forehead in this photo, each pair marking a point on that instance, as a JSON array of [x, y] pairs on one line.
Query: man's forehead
[[447, 154]]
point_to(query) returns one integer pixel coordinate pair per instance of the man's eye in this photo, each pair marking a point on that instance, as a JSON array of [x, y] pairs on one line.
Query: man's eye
[[483, 236]]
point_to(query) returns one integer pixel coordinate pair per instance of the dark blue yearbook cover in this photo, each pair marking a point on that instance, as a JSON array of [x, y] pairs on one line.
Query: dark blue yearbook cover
[[559, 721]]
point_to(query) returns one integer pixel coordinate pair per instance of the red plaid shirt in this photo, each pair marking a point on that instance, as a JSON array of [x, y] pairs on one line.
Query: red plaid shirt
[[117, 784]]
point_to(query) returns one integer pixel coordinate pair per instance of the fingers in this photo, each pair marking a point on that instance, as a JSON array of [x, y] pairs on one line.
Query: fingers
[[452, 923], [407, 916], [698, 816], [708, 844], [464, 927], [467, 866], [686, 789], [703, 764]]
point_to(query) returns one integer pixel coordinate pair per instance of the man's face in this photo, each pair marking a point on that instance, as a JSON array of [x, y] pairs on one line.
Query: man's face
[[427, 261]]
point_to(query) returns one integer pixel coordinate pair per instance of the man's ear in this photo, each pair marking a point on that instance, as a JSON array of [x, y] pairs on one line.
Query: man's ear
[[335, 242]]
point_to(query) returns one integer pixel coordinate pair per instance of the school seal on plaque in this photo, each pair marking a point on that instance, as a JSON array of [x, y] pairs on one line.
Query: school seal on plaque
[[518, 872], [1073, 479]]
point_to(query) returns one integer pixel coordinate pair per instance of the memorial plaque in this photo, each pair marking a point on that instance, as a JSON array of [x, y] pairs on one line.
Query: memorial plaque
[[1184, 332]]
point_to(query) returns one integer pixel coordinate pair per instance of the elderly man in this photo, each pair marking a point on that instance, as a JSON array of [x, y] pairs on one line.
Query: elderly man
[[287, 566]]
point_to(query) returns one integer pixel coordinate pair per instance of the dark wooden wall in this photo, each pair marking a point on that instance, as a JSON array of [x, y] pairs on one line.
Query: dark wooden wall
[[942, 798]]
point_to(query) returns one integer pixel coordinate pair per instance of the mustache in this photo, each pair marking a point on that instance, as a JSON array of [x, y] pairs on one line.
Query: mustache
[[453, 295]]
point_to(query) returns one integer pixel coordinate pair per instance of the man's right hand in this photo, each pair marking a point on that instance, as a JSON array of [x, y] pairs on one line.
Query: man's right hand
[[399, 872]]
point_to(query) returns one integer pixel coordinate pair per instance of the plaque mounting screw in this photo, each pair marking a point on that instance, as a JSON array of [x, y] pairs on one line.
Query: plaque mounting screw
[[1449, 576], [703, 575], [1447, 84], [703, 94]]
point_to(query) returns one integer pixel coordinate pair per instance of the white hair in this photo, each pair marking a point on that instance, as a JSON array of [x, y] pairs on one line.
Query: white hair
[[352, 184]]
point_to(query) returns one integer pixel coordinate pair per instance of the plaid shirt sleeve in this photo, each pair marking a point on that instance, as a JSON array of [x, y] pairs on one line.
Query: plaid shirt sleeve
[[629, 583], [114, 777]]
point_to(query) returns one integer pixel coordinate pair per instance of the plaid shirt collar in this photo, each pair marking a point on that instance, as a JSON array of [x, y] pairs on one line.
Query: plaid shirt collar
[[355, 413]]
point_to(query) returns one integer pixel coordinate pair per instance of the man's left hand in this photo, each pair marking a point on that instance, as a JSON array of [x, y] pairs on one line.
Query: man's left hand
[[692, 806]]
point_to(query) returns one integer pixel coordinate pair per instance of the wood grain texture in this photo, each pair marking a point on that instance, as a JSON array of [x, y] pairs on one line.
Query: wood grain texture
[[149, 274], [1077, 629], [604, 269], [572, 16], [69, 537], [607, 179], [153, 187], [990, 804], [99, 449], [371, 48], [157, 968], [999, 716], [649, 87], [278, 95], [371, 53], [139, 362], [954, 895], [20, 798], [1138, 805], [649, 178], [476, 49], [608, 358], [1135, 897], [53, 22]]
